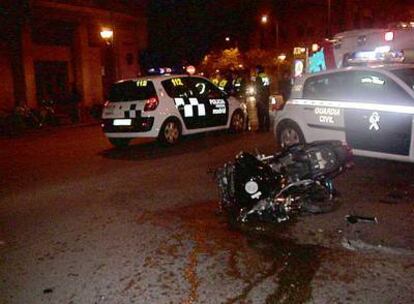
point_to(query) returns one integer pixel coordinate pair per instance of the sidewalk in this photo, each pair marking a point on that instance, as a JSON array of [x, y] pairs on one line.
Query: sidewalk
[[45, 129]]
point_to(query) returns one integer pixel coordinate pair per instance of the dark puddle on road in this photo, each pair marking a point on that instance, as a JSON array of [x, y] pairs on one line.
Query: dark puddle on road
[[255, 253]]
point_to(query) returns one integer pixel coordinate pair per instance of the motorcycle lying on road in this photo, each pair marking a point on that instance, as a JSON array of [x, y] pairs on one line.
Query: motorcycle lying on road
[[277, 187]]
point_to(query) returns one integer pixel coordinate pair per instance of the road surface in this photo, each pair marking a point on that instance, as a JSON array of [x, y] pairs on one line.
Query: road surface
[[81, 222]]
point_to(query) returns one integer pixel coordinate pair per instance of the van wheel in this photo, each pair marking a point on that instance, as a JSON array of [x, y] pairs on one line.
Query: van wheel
[[289, 134], [170, 132], [237, 122], [120, 142]]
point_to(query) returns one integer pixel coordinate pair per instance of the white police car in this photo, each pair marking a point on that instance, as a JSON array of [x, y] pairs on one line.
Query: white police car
[[166, 107], [370, 108]]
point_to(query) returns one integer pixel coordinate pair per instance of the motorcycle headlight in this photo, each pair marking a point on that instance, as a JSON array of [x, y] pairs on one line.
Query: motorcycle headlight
[[251, 187]]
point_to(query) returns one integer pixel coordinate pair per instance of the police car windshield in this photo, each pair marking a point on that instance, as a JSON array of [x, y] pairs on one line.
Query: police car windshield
[[406, 75], [132, 90]]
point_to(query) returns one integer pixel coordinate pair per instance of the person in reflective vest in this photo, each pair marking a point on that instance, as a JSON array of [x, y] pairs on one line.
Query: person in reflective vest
[[262, 98], [239, 83], [215, 79], [225, 83]]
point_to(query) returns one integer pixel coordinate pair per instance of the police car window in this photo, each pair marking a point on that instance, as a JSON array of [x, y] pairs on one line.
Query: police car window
[[177, 87], [406, 75], [132, 90], [378, 88], [326, 87], [205, 89]]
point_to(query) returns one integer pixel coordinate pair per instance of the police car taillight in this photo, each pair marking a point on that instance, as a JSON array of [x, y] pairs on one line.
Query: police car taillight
[[389, 36], [151, 104]]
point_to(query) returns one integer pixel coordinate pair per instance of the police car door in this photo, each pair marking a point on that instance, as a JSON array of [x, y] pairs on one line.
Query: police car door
[[215, 101], [321, 102], [375, 118], [192, 112]]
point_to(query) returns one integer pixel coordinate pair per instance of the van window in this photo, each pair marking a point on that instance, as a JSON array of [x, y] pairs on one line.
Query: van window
[[327, 87], [371, 86], [132, 90]]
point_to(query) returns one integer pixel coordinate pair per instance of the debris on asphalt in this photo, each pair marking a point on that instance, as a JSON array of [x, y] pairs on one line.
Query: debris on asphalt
[[48, 290], [353, 219]]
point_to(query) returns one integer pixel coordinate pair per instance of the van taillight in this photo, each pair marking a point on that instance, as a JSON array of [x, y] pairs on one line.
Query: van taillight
[[106, 104], [151, 104], [389, 36]]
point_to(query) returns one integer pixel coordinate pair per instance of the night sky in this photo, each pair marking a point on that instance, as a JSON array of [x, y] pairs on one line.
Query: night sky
[[188, 29]]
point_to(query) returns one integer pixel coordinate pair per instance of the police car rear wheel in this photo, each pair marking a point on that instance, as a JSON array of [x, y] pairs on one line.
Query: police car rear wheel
[[119, 142], [237, 122], [289, 134], [170, 132]]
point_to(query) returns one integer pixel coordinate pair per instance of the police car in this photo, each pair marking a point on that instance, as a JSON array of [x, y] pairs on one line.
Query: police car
[[369, 108], [167, 107]]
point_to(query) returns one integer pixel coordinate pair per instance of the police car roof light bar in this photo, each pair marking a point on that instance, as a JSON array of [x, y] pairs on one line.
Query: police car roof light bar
[[379, 55]]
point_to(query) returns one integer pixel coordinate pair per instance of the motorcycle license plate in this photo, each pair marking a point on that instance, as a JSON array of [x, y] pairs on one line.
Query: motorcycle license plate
[[122, 122]]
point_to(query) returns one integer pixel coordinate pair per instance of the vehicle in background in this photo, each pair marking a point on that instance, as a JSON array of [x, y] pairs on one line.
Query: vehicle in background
[[167, 107], [392, 44]]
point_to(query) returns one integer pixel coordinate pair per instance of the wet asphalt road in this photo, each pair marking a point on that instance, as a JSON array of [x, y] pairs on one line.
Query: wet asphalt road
[[81, 222]]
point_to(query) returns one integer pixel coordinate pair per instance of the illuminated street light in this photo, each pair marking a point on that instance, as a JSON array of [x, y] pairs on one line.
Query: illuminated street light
[[264, 20], [227, 39], [107, 35], [281, 57]]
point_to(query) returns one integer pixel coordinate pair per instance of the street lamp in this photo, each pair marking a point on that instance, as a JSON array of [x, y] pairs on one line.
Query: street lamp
[[281, 57], [110, 65], [107, 35], [264, 20]]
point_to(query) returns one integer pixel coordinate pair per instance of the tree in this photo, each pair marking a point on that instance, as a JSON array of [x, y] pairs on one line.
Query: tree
[[228, 59], [265, 58]]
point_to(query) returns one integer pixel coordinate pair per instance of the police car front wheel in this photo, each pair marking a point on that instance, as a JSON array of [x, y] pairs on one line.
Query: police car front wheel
[[170, 132], [289, 134], [237, 122]]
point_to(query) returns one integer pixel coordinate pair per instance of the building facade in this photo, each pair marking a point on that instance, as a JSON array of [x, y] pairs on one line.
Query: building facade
[[50, 48]]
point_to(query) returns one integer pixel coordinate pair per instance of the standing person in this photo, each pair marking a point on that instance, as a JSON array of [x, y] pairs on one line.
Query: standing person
[[285, 85], [215, 79], [225, 82], [239, 83], [262, 98]]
